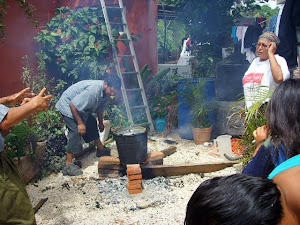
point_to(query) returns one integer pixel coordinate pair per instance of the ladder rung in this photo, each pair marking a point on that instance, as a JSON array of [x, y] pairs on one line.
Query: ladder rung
[[113, 23], [121, 22], [113, 7], [125, 55], [138, 107], [134, 89], [125, 73]]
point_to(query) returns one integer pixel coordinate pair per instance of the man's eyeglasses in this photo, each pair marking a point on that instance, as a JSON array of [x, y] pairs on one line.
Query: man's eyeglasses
[[258, 44]]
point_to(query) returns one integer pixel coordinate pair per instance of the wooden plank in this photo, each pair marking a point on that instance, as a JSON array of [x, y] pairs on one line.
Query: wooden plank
[[169, 151], [176, 170], [39, 205]]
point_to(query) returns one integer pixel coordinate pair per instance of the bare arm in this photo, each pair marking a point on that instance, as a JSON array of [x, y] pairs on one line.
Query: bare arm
[[100, 119], [81, 125], [17, 114], [275, 67], [17, 98]]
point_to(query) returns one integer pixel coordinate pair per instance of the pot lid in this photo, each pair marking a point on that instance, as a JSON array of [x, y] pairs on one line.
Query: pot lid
[[130, 131]]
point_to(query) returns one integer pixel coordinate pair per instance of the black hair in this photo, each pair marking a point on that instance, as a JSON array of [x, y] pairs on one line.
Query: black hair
[[283, 116], [238, 199], [113, 80]]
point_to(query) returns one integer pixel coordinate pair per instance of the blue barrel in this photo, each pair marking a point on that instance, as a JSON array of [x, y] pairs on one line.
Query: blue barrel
[[184, 117]]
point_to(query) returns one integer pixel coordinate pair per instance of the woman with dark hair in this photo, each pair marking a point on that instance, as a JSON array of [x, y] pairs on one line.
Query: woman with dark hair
[[283, 125], [242, 199]]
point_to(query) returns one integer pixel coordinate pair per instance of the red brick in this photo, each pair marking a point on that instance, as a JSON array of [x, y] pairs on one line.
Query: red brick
[[135, 191], [132, 170], [133, 166], [135, 181], [108, 167], [109, 160], [135, 177], [133, 186]]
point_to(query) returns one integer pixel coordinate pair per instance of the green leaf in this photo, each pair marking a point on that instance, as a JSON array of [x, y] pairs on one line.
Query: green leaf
[[86, 49], [54, 34], [92, 39], [63, 57]]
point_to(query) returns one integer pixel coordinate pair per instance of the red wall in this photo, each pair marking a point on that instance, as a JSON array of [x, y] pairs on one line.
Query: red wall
[[17, 44], [141, 16]]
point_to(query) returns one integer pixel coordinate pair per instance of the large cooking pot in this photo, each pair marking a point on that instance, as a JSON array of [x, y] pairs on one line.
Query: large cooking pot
[[132, 144]]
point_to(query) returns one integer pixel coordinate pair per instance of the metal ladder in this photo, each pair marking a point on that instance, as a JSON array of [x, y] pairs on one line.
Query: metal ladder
[[126, 92]]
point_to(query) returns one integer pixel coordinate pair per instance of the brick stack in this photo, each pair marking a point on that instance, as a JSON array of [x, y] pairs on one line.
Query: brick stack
[[109, 167], [134, 174]]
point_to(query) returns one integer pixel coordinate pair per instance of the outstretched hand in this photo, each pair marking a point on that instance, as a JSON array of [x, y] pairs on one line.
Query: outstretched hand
[[18, 98], [41, 102]]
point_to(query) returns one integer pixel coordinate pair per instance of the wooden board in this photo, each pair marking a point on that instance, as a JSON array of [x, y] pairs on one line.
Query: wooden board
[[176, 170], [169, 151]]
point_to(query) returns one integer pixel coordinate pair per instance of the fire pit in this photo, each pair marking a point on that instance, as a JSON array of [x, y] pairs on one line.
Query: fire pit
[[131, 144]]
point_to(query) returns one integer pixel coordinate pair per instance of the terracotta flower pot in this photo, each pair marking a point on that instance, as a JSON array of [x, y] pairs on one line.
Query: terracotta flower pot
[[201, 135]]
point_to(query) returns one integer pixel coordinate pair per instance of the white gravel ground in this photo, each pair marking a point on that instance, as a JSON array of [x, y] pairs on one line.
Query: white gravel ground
[[87, 200]]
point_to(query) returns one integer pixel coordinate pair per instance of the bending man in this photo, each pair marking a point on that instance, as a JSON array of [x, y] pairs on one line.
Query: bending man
[[77, 104]]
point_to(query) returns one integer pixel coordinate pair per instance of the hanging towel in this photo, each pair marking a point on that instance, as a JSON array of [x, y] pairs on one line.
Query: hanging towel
[[272, 24], [240, 32], [243, 38], [233, 34]]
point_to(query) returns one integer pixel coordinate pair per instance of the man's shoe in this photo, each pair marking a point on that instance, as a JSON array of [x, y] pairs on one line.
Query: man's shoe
[[104, 152], [71, 170]]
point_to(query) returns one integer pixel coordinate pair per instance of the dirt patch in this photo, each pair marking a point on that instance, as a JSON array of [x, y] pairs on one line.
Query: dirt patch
[[87, 200]]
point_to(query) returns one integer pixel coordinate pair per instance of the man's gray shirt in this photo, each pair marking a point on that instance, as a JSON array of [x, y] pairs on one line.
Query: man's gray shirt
[[87, 96], [3, 112]]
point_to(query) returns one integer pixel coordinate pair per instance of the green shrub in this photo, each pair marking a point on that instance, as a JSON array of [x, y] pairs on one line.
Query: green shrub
[[21, 141], [75, 44]]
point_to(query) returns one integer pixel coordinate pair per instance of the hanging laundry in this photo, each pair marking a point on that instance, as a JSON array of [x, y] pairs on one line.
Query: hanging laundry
[[233, 34], [243, 38], [251, 36], [240, 32], [272, 24]]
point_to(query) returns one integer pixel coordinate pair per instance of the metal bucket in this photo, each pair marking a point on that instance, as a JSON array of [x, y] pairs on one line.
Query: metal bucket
[[132, 144]]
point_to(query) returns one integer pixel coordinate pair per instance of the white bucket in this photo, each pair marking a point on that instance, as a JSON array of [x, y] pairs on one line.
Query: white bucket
[[104, 134], [223, 143]]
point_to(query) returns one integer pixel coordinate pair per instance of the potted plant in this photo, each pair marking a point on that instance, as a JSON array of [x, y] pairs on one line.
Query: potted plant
[[200, 109], [159, 108]]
